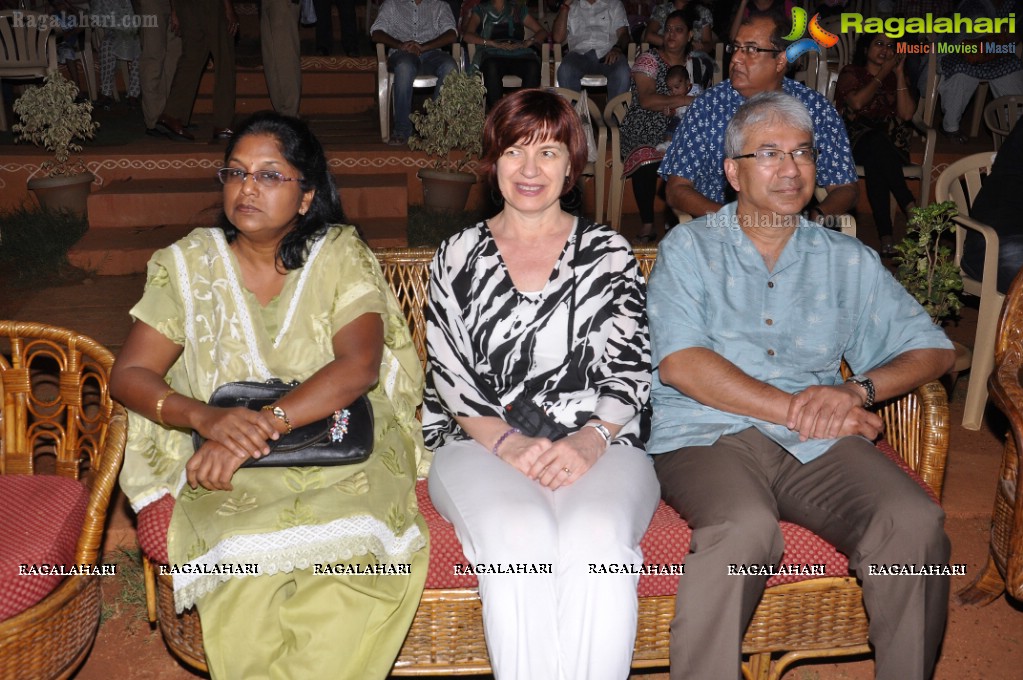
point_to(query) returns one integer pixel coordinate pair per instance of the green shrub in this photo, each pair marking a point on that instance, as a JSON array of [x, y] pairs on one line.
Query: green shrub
[[428, 227], [34, 243]]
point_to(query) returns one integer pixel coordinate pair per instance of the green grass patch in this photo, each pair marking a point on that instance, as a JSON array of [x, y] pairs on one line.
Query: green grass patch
[[131, 599], [428, 227], [34, 244]]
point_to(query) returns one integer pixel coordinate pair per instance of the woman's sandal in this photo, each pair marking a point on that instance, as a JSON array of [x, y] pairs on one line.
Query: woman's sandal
[[646, 239]]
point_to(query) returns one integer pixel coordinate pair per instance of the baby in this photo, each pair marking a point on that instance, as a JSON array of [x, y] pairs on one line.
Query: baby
[[678, 82]]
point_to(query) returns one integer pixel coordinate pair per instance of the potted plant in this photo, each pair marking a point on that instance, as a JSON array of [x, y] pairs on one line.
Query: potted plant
[[926, 266], [927, 269], [451, 130], [51, 118]]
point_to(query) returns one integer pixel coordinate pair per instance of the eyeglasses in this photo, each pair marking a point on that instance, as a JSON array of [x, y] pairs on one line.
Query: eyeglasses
[[772, 158], [749, 50], [882, 45], [268, 179]]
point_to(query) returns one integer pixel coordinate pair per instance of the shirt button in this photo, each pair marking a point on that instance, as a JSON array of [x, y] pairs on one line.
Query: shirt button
[[770, 352], [769, 322], [770, 284]]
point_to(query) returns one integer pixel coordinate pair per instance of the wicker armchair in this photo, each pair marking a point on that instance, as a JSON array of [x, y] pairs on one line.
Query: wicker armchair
[[57, 421], [1004, 569], [823, 617]]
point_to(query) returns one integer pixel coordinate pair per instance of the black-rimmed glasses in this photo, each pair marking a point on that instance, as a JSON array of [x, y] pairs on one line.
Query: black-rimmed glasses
[[750, 50], [268, 179], [770, 158]]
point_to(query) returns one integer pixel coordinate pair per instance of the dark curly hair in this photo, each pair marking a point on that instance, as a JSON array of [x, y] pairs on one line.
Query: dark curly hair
[[302, 149]]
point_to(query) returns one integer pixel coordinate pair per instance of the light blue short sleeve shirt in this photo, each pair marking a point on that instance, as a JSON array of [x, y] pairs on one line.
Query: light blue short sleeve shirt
[[697, 150], [828, 297]]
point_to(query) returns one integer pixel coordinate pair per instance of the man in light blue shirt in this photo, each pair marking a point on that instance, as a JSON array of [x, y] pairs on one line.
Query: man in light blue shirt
[[751, 310]]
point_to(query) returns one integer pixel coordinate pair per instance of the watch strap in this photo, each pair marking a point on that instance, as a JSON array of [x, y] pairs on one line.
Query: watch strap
[[868, 385], [602, 429]]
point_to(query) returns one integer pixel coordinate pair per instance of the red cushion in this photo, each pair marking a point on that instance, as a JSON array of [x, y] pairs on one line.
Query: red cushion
[[152, 528], [666, 542], [42, 520]]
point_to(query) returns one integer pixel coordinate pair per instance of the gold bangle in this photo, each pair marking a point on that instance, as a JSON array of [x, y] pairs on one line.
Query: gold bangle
[[159, 406]]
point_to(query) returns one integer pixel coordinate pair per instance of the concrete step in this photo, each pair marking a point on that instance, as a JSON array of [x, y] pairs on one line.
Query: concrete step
[[375, 195], [141, 203], [310, 104], [135, 203], [116, 251], [320, 75]]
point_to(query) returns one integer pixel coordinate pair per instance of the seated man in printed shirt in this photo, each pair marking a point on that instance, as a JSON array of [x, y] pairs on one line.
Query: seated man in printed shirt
[[692, 166]]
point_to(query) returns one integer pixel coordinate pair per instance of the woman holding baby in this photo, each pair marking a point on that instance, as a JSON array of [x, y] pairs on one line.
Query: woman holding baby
[[650, 115]]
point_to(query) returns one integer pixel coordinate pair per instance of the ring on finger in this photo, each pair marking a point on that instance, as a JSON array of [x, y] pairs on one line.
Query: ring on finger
[[567, 471]]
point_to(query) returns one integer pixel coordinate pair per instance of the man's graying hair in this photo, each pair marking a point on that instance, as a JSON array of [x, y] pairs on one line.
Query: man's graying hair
[[766, 107]]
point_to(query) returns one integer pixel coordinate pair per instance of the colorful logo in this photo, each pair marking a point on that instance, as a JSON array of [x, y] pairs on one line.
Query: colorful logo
[[818, 36]]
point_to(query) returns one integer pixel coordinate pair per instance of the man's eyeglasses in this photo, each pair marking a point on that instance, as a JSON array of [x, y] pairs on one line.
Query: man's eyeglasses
[[749, 50], [268, 179], [772, 158]]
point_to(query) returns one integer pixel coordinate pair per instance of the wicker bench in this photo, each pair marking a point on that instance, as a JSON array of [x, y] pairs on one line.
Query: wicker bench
[[820, 617]]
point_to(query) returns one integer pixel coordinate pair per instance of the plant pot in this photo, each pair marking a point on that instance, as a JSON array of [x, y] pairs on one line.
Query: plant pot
[[446, 190], [70, 192]]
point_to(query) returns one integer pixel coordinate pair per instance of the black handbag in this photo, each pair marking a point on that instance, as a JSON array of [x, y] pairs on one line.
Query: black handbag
[[342, 438], [532, 420]]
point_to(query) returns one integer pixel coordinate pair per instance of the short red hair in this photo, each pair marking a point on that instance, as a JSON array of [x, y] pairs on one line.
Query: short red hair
[[528, 116]]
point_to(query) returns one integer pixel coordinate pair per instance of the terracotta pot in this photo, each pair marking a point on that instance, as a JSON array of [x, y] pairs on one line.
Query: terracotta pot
[[63, 193], [446, 190]]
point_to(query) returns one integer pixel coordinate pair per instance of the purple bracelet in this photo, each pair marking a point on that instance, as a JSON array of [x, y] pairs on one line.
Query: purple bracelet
[[500, 440]]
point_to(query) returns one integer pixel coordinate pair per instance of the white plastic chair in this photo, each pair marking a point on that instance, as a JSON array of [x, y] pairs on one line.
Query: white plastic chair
[[593, 79], [598, 168], [25, 53], [1001, 115], [960, 182], [614, 114], [385, 82]]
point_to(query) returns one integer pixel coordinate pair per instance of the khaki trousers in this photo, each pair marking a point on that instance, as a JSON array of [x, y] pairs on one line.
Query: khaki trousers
[[161, 49], [203, 33], [733, 493], [308, 625], [282, 62]]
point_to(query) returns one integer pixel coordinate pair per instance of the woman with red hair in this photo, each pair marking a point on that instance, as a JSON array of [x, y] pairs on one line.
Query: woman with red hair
[[539, 369]]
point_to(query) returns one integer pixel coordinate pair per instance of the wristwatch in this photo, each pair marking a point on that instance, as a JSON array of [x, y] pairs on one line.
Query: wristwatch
[[604, 432], [279, 413], [867, 384]]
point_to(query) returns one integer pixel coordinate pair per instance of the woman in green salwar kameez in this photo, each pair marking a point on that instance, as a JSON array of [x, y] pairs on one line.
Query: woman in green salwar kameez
[[277, 291]]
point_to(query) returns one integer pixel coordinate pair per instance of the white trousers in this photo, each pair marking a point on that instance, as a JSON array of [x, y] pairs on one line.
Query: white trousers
[[957, 91], [574, 623]]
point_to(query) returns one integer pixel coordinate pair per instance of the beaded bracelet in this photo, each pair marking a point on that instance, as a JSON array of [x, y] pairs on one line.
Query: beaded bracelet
[[500, 440]]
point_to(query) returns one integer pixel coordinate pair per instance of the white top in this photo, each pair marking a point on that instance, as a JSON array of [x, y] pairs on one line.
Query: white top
[[594, 25]]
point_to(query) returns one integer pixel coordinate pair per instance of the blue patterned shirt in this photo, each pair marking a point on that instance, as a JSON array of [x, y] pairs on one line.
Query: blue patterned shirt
[[697, 150], [828, 297]]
